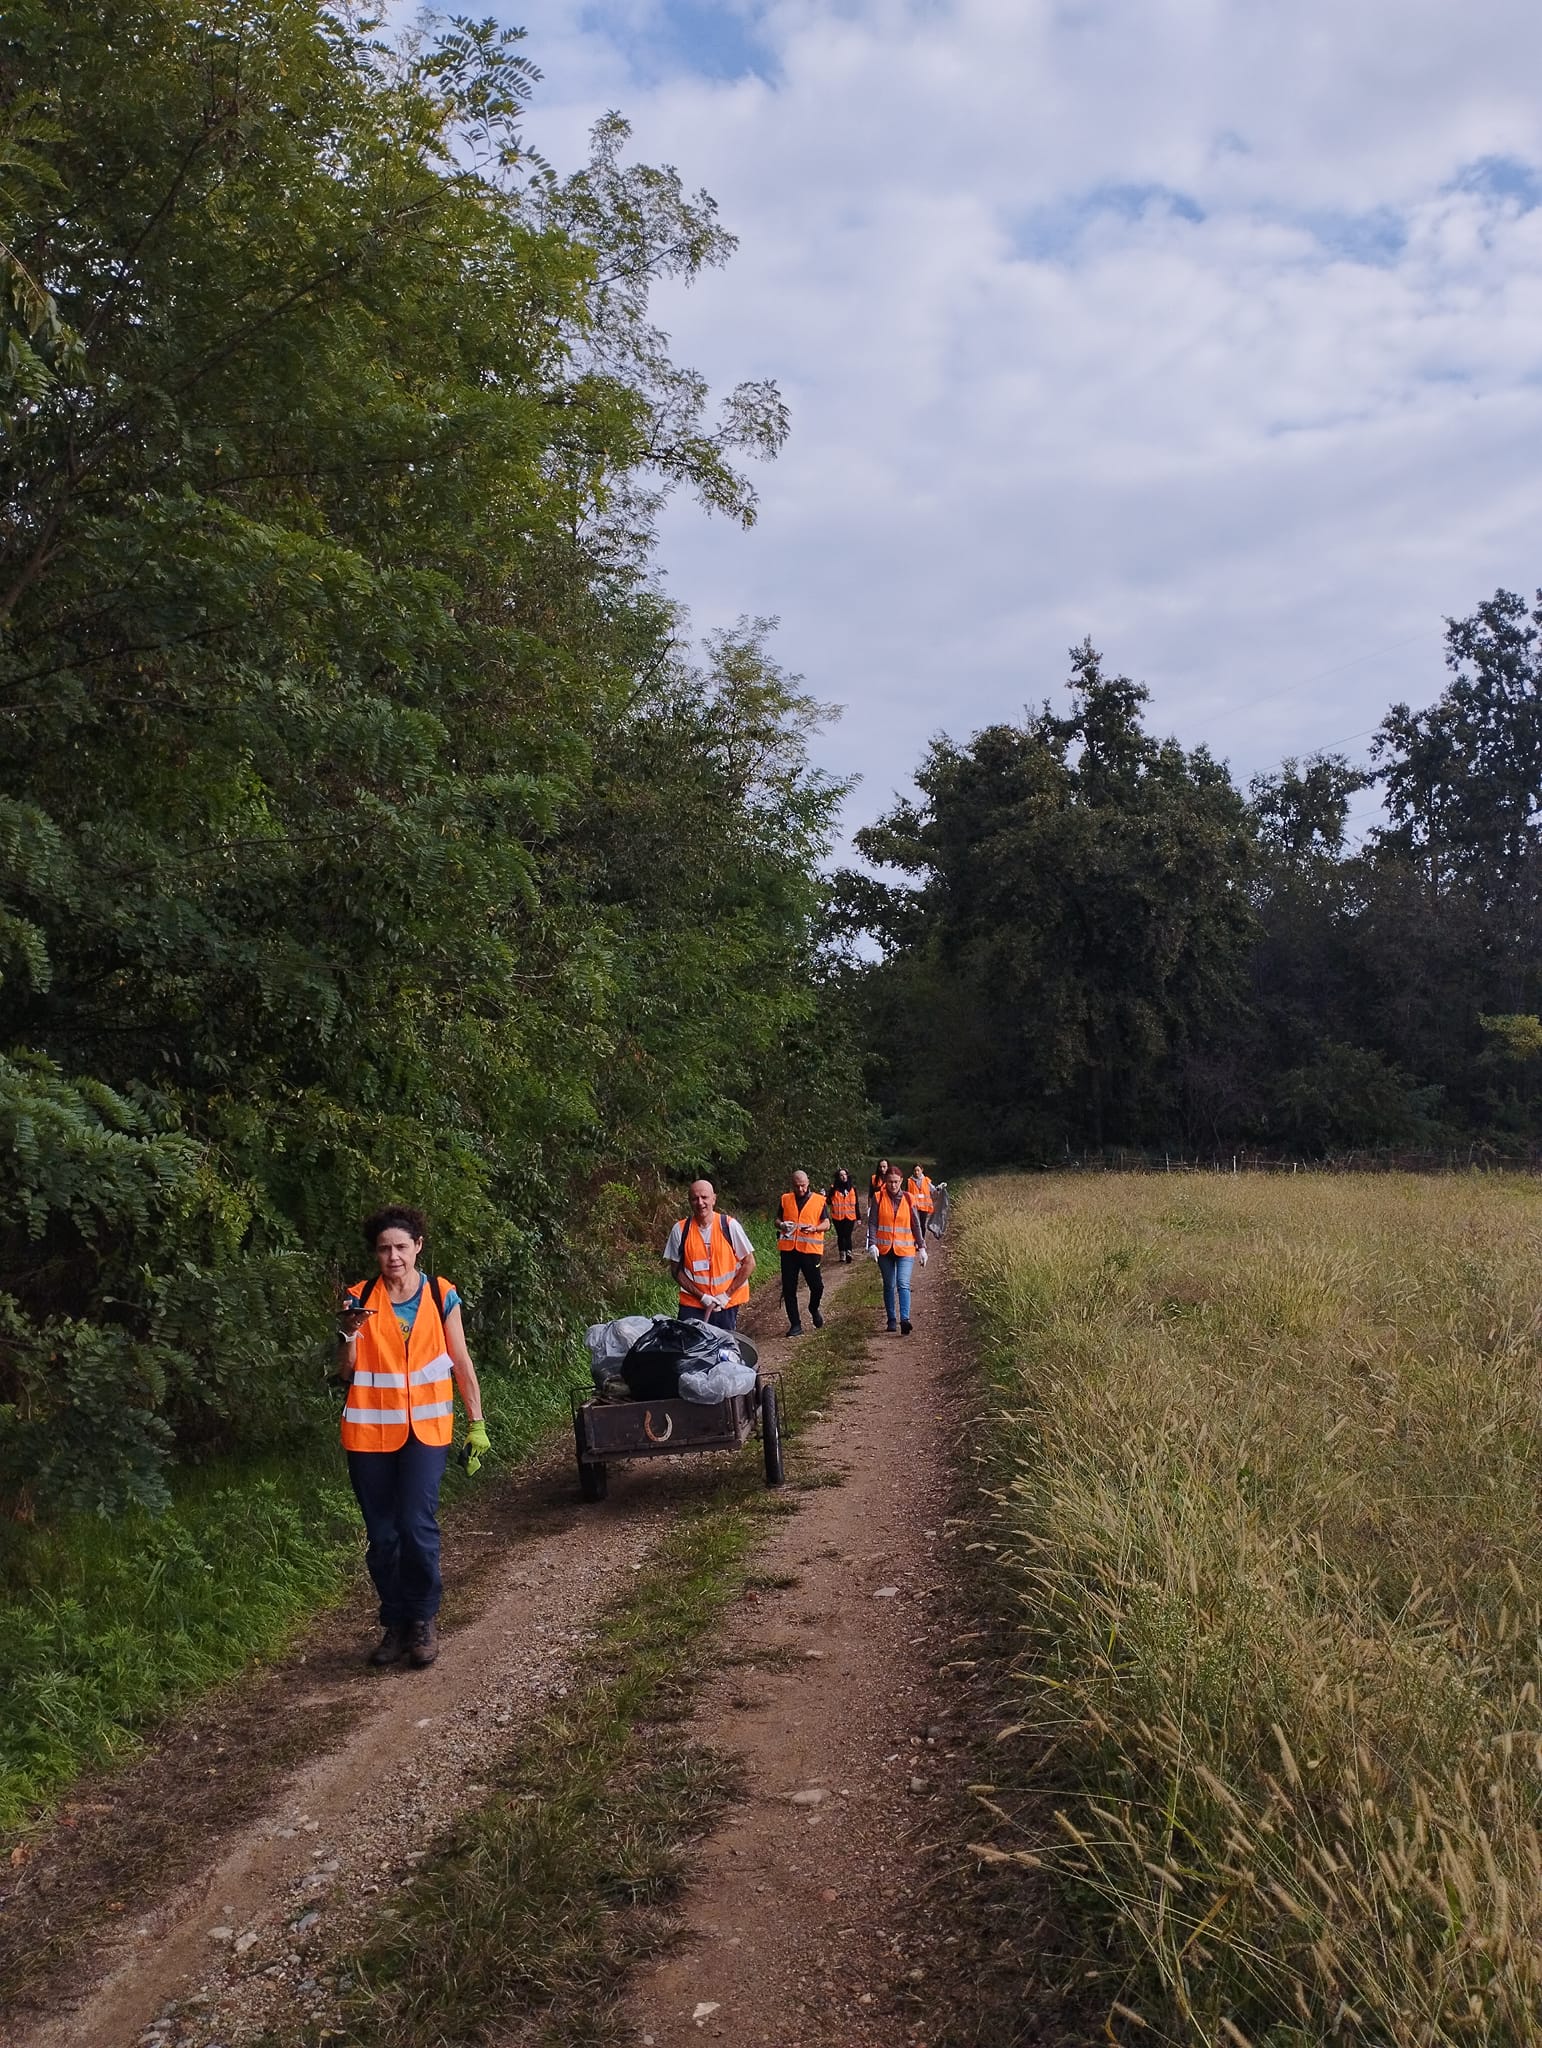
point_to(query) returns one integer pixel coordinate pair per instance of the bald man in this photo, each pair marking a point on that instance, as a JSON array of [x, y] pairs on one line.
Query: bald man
[[712, 1261]]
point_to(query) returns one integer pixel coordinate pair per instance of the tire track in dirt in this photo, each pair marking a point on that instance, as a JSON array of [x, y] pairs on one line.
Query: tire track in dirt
[[801, 1928], [243, 1935]]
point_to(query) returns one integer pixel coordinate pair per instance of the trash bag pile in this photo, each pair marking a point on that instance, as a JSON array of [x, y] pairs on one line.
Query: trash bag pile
[[655, 1358]]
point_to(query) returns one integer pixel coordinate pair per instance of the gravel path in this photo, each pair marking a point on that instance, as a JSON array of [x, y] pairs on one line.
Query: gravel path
[[239, 1946]]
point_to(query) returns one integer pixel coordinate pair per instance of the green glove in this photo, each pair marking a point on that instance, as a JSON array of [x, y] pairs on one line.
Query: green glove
[[476, 1448]]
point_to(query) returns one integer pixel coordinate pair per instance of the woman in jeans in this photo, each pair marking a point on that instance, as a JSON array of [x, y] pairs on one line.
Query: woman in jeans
[[402, 1354], [896, 1238]]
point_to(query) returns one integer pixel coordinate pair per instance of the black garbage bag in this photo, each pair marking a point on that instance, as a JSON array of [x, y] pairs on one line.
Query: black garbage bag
[[653, 1366]]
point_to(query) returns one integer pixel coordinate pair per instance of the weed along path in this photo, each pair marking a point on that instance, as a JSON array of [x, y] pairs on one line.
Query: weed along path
[[266, 1877], [802, 1927]]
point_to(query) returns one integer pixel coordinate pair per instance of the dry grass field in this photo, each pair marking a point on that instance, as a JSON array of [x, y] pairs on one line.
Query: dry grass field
[[1268, 1507]]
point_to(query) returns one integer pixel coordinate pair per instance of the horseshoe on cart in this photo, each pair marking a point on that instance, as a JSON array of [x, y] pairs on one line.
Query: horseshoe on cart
[[657, 1436]]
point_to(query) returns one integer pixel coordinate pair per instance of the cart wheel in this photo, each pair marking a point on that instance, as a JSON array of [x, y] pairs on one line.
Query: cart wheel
[[593, 1479], [771, 1434]]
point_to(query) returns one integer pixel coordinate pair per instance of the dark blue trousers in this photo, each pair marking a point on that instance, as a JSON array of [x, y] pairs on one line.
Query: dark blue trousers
[[720, 1318], [399, 1493]]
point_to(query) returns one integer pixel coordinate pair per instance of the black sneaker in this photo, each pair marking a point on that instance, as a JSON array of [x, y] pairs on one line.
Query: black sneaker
[[816, 1319], [892, 1329], [904, 1326], [423, 1644], [795, 1329], [391, 1646]]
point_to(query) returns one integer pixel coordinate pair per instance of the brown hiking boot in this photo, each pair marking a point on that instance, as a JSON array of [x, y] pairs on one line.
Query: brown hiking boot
[[392, 1644], [423, 1644]]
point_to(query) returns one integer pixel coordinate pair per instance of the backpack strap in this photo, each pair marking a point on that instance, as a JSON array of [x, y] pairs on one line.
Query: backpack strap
[[369, 1287], [434, 1290]]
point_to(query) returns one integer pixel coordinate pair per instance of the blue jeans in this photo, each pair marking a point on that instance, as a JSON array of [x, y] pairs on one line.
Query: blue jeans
[[720, 1318], [896, 1286], [399, 1494]]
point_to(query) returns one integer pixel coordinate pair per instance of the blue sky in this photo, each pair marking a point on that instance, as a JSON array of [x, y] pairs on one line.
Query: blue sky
[[1209, 329]]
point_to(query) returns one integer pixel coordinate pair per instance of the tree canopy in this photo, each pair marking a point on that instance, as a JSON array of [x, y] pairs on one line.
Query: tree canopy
[[1105, 944], [367, 826]]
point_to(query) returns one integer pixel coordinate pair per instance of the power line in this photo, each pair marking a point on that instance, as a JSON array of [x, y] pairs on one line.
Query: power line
[[1321, 676]]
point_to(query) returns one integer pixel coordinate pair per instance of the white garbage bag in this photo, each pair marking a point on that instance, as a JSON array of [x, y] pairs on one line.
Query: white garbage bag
[[609, 1344], [730, 1375]]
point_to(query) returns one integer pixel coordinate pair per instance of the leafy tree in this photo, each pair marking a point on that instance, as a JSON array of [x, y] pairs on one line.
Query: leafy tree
[[1080, 931], [329, 667], [1463, 778]]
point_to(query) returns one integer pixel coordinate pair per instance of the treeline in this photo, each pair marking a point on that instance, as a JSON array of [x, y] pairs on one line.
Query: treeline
[[1103, 941], [367, 827]]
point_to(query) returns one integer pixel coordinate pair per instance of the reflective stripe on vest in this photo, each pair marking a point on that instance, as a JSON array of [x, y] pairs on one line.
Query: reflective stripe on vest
[[801, 1229], [897, 1229], [400, 1383], [920, 1191], [843, 1204], [710, 1267]]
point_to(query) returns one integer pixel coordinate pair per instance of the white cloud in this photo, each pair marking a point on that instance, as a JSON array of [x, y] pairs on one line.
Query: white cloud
[[1211, 329]]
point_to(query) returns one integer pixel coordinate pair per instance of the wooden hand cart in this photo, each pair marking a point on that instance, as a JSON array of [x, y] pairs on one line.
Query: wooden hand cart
[[605, 1432]]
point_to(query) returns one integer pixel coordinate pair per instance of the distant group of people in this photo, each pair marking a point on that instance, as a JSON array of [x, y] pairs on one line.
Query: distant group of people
[[712, 1259], [402, 1356]]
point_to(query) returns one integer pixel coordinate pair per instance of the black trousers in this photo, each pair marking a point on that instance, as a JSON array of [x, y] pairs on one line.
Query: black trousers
[[843, 1235], [807, 1265]]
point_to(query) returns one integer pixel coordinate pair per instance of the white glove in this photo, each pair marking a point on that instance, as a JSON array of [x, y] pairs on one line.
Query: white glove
[[923, 1255], [872, 1252]]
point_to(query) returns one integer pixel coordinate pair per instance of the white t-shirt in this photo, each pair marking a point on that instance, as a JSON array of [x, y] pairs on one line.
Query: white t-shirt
[[736, 1238]]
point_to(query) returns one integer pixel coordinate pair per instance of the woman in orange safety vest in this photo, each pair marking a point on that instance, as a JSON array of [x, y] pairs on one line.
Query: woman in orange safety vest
[[919, 1188], [843, 1212], [401, 1352], [896, 1238]]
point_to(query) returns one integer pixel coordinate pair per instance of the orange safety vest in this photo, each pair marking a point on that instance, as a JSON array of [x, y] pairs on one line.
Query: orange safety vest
[[921, 1194], [400, 1382], [808, 1223], [710, 1267], [893, 1233], [843, 1204]]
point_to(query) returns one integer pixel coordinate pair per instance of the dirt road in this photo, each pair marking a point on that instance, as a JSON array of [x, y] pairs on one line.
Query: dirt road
[[797, 1933], [802, 1930]]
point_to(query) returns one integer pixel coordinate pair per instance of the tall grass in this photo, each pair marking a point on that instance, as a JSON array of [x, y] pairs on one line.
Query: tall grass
[[1268, 1510]]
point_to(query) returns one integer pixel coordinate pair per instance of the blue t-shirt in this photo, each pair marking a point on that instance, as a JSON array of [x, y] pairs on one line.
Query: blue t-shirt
[[406, 1312]]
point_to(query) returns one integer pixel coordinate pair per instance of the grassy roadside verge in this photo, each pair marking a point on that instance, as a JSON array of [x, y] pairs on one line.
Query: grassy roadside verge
[[1262, 1510], [109, 1625], [534, 1908]]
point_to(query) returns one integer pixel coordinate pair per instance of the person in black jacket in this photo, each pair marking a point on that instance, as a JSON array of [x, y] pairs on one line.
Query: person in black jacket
[[842, 1198]]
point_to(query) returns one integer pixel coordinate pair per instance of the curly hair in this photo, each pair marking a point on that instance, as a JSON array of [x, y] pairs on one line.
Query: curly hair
[[413, 1221]]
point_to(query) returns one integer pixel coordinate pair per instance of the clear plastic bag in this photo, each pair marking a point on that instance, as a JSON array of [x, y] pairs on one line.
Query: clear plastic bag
[[720, 1382], [609, 1344]]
